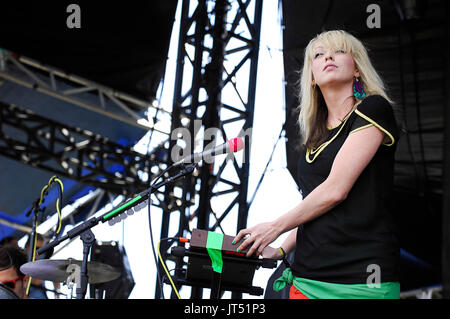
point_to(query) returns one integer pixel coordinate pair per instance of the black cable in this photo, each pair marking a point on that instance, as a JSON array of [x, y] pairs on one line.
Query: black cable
[[153, 244], [187, 170], [265, 169], [150, 228], [150, 200]]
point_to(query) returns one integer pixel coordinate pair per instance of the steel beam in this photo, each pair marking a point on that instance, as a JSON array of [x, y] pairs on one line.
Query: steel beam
[[217, 51], [72, 152], [34, 75]]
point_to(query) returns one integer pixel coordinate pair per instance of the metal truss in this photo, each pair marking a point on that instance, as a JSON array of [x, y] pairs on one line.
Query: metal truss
[[214, 90], [74, 89], [78, 154], [75, 153]]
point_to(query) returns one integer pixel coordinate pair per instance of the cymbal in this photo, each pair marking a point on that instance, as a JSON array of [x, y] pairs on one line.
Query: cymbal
[[55, 270]]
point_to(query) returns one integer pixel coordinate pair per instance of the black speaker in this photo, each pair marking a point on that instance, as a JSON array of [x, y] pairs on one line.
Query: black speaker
[[112, 254]]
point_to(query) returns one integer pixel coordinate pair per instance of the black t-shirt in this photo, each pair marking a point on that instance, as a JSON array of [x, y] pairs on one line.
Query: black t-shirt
[[343, 244]]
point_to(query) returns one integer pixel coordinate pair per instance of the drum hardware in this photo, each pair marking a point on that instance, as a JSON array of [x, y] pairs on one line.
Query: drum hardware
[[74, 278], [69, 271], [59, 270]]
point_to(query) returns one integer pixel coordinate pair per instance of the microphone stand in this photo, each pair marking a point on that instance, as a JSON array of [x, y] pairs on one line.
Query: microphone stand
[[84, 230], [88, 239], [35, 209]]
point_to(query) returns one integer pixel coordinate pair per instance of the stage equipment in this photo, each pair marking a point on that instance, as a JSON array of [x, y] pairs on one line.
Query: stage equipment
[[234, 145], [112, 254], [87, 236], [213, 262], [66, 270]]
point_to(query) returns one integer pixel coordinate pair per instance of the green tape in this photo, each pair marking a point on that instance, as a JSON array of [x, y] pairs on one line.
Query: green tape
[[214, 248], [122, 208]]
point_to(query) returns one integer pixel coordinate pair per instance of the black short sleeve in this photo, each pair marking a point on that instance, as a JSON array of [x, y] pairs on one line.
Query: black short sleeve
[[376, 110], [339, 245]]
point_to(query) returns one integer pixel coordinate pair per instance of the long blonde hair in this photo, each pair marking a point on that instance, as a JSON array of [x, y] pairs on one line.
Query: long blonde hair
[[313, 111]]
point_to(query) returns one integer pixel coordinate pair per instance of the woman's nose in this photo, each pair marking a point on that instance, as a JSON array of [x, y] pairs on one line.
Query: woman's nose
[[328, 55]]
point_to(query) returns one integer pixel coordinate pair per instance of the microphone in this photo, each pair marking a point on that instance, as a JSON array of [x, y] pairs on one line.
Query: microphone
[[231, 146]]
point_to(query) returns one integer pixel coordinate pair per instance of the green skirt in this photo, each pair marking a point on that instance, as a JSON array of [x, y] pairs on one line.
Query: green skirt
[[314, 289]]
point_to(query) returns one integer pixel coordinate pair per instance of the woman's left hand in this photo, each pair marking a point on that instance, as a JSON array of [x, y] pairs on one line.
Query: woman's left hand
[[259, 237]]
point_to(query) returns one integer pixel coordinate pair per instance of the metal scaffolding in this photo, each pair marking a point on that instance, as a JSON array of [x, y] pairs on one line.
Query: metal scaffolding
[[218, 44], [74, 153], [71, 88]]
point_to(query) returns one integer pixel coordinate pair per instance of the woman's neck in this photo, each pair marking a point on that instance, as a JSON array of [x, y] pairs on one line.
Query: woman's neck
[[339, 103]]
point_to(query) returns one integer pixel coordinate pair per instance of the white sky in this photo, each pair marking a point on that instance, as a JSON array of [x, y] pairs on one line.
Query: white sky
[[277, 193]]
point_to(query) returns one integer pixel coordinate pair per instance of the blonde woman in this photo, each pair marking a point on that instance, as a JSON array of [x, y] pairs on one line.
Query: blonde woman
[[342, 231]]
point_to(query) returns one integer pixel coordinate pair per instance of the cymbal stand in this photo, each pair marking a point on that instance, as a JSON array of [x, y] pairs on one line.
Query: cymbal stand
[[78, 274], [73, 278], [35, 208]]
